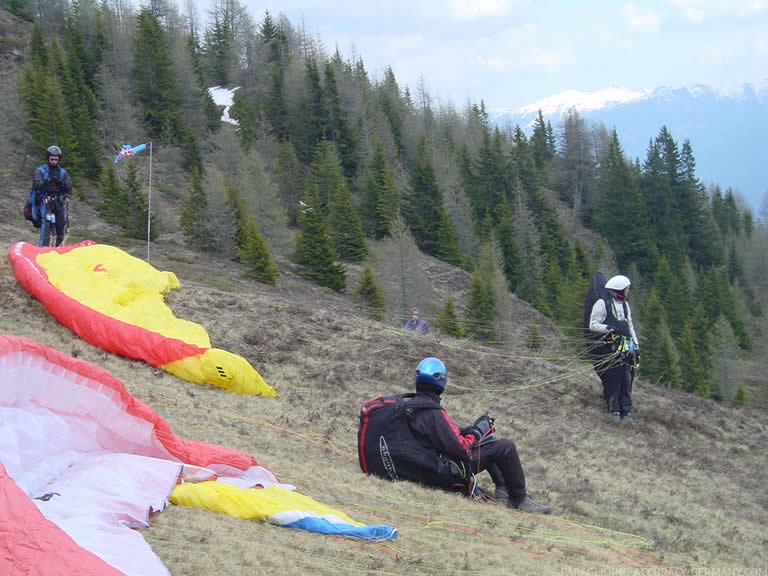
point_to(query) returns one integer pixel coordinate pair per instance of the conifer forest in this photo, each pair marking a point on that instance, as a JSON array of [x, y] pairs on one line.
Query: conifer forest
[[325, 162]]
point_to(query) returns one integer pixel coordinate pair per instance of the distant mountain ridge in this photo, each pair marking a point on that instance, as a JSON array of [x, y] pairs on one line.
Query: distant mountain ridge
[[726, 128]]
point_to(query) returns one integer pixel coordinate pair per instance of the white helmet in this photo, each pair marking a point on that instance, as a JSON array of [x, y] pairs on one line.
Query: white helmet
[[618, 283]]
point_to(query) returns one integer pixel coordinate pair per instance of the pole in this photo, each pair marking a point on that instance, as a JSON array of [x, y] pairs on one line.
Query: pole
[[149, 202]]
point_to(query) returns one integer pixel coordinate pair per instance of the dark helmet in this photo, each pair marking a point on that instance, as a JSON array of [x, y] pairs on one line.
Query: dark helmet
[[52, 151], [431, 372]]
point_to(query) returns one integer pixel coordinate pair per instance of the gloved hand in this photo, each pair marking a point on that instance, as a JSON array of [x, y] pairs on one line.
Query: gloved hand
[[53, 185], [621, 328], [482, 426]]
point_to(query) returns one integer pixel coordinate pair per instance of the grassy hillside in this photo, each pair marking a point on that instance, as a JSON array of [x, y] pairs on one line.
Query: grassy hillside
[[682, 488]]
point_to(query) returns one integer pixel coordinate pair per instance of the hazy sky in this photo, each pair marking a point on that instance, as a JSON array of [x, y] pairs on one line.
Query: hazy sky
[[514, 52]]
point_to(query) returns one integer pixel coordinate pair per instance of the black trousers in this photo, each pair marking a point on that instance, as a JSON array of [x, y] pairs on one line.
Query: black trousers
[[501, 460], [617, 387]]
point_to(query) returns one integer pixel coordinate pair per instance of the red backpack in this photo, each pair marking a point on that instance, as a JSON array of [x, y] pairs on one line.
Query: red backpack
[[387, 448]]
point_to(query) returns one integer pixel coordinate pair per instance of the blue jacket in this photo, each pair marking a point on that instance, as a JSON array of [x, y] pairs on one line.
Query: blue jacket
[[53, 179]]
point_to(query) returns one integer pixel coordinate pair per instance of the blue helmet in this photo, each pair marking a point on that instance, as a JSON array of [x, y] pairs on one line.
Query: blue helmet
[[431, 371]]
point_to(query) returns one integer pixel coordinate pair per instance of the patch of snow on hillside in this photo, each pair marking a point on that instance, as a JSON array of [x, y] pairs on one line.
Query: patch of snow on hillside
[[223, 97]]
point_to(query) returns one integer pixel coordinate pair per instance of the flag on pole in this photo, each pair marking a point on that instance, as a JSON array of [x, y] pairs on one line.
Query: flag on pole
[[128, 150]]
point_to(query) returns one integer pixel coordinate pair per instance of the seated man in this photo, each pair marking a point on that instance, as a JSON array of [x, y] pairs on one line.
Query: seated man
[[475, 446], [416, 323]]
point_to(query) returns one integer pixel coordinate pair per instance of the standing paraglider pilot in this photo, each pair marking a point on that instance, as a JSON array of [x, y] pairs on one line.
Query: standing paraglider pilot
[[618, 353], [52, 181], [476, 445]]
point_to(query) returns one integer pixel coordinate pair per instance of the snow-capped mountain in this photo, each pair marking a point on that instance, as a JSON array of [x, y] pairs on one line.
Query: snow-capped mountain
[[727, 129]]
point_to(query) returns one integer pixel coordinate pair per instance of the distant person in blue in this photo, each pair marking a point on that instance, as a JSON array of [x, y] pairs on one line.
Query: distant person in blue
[[416, 323], [51, 181]]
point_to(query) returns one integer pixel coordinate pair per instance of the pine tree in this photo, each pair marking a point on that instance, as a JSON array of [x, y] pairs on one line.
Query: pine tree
[[447, 320], [239, 213], [275, 108], [577, 164], [726, 360], [382, 199], [619, 197], [248, 117], [77, 83], [739, 399], [220, 44], [194, 219], [447, 241], [692, 370], [673, 295], [489, 179], [290, 180], [113, 199], [346, 227], [657, 190], [480, 315], [43, 106], [340, 131], [314, 253], [541, 143], [155, 82], [254, 254], [423, 208], [533, 340], [369, 294], [660, 357], [344, 222], [136, 210]]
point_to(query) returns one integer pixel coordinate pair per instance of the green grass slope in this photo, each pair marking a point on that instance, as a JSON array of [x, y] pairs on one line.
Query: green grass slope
[[681, 489]]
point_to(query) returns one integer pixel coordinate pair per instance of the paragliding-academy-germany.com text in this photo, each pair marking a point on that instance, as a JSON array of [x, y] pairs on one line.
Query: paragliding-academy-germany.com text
[[664, 571]]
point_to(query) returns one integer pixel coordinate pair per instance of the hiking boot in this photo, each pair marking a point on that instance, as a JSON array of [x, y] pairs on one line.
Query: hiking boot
[[617, 416], [527, 504], [501, 494]]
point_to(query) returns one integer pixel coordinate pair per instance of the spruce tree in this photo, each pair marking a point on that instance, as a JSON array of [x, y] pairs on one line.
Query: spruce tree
[[239, 213], [290, 178], [673, 297], [346, 227], [423, 207], [43, 106], [693, 372], [447, 320], [726, 360], [340, 131], [136, 211], [448, 241], [194, 219], [81, 67], [155, 82], [344, 222], [248, 117], [739, 399], [660, 357], [382, 199], [254, 254], [369, 294], [480, 315], [619, 197], [315, 255], [112, 197]]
